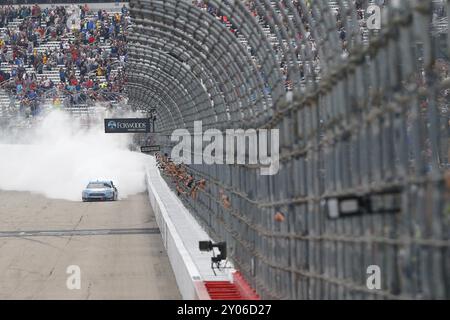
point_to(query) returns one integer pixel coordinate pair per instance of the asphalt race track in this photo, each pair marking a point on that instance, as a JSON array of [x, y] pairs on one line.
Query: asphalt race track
[[116, 245]]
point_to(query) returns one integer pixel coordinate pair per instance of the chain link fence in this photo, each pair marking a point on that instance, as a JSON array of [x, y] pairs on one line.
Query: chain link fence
[[363, 116]]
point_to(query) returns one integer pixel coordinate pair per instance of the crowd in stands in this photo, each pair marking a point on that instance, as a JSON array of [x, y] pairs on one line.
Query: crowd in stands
[[256, 10], [185, 183], [81, 60]]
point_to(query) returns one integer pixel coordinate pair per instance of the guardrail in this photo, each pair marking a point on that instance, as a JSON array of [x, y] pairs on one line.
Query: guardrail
[[189, 280]]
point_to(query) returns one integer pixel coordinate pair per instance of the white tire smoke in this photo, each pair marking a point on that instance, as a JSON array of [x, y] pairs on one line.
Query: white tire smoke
[[61, 156]]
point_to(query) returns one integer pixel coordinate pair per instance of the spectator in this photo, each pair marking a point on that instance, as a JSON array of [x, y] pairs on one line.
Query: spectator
[[74, 60]]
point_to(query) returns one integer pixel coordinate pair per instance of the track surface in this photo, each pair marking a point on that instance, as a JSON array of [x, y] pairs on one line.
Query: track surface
[[117, 246]]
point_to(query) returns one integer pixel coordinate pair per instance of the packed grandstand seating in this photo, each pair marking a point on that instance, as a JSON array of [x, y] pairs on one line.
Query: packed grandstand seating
[[61, 55], [47, 56]]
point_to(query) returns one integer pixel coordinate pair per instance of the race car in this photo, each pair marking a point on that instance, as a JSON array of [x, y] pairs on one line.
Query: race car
[[100, 191]]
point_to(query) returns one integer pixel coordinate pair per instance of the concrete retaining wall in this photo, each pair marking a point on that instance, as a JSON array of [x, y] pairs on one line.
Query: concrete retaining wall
[[189, 280]]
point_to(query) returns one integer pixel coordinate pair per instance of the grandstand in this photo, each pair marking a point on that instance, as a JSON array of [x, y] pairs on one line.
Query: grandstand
[[48, 45]]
